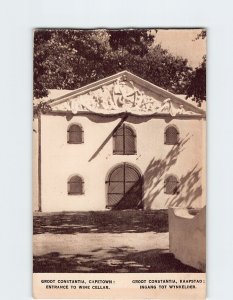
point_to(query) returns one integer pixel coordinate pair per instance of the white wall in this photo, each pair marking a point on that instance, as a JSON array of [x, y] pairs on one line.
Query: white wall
[[187, 237], [155, 160]]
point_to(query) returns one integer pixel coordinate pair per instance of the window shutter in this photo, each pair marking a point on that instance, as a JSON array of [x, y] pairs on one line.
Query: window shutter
[[118, 144], [75, 134], [171, 185], [75, 185], [124, 141], [171, 136], [130, 146]]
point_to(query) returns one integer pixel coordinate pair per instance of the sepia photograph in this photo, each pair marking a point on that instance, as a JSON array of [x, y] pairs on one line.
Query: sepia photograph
[[122, 169], [119, 150]]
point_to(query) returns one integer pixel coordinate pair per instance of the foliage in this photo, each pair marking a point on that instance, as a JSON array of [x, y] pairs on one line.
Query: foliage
[[201, 35], [197, 87], [167, 71], [69, 59], [136, 42], [64, 59], [41, 107]]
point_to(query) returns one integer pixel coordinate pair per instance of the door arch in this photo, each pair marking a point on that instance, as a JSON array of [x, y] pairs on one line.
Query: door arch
[[124, 187]]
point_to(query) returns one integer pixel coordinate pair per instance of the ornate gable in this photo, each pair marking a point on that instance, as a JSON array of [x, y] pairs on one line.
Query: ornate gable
[[124, 92]]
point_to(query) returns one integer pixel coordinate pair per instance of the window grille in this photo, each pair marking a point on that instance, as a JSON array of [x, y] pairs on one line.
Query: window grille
[[171, 185], [124, 141], [75, 185], [171, 136], [75, 134]]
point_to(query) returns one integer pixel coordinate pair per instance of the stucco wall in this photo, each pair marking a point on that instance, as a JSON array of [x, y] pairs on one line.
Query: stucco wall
[[154, 159], [187, 237]]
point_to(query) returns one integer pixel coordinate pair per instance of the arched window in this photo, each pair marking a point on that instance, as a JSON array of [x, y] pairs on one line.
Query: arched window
[[171, 136], [75, 185], [171, 185], [75, 134], [124, 141]]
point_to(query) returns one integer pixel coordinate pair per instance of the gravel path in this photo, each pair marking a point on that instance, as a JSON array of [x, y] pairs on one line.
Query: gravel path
[[105, 252]]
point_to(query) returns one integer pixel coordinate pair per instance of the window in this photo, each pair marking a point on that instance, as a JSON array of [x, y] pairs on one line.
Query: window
[[75, 185], [171, 185], [171, 136], [124, 141], [75, 134]]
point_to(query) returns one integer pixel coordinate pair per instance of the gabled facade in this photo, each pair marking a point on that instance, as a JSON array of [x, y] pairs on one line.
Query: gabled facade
[[120, 143]]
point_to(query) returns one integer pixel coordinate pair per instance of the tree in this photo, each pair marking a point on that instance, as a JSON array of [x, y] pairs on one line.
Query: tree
[[201, 35], [196, 89], [65, 59], [41, 42], [136, 42], [197, 86], [69, 59], [166, 70]]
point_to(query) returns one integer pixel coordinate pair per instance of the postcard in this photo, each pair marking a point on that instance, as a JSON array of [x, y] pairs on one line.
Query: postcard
[[119, 163]]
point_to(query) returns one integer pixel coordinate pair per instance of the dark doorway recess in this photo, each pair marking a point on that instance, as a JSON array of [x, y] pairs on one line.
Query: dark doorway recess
[[124, 188]]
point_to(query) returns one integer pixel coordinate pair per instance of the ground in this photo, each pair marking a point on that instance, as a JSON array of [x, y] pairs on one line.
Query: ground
[[108, 241]]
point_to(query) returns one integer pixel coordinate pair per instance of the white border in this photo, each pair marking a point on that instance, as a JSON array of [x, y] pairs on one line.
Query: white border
[[18, 18]]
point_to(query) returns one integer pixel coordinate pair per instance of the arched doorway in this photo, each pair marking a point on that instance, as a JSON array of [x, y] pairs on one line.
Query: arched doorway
[[124, 188]]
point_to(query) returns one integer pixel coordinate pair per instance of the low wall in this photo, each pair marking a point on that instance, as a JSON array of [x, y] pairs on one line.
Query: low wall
[[187, 236]]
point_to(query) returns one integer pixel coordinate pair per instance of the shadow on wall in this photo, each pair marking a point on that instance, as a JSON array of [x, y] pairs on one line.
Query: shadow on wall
[[189, 185], [110, 135], [132, 198], [189, 189]]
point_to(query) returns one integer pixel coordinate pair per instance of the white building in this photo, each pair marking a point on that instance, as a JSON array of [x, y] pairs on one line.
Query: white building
[[119, 143]]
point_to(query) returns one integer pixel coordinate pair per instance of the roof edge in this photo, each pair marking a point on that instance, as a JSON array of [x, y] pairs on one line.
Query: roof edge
[[144, 83]]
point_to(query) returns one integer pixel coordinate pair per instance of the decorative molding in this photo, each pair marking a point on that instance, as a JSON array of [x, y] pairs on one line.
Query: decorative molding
[[119, 96]]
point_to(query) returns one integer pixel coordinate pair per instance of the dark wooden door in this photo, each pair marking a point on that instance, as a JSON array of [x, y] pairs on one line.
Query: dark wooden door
[[124, 188]]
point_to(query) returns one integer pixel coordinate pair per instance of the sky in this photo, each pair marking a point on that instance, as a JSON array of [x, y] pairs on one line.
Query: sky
[[182, 42]]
